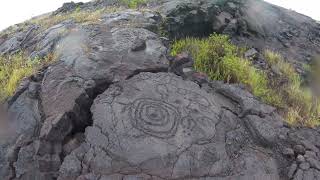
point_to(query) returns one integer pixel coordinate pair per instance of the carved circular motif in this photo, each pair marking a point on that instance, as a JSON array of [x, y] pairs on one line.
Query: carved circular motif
[[154, 117]]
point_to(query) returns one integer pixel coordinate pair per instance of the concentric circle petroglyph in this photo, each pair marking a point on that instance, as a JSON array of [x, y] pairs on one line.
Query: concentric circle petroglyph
[[155, 117]]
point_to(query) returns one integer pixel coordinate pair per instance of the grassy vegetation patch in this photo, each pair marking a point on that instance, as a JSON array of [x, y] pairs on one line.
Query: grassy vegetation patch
[[221, 60], [16, 67], [78, 15], [301, 105], [133, 4]]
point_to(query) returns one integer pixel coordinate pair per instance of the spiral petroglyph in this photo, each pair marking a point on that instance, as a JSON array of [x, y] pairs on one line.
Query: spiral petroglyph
[[155, 117]]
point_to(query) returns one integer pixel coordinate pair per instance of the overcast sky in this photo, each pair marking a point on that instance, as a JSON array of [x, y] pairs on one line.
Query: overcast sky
[[308, 7], [16, 11]]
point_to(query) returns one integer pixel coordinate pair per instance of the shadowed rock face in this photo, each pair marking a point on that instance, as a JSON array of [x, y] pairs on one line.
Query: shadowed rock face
[[114, 107]]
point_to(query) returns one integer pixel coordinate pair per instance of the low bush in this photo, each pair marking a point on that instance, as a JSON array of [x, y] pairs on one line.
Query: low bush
[[16, 67]]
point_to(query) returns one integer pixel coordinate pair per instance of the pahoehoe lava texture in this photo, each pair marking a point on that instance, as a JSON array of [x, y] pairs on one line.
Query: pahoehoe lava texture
[[163, 127], [109, 108]]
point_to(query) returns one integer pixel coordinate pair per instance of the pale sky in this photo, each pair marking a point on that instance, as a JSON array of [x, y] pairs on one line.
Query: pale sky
[[306, 7], [16, 11]]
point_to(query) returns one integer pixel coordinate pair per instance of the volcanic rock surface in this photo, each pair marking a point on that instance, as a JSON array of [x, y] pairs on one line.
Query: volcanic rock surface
[[114, 107]]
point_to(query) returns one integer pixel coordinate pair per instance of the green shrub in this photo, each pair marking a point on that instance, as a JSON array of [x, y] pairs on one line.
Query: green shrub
[[16, 67], [221, 60]]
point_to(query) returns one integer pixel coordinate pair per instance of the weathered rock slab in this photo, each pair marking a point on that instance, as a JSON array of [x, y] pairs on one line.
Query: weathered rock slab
[[166, 127]]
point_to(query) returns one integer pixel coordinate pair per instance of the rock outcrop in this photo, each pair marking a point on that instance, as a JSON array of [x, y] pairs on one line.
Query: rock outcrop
[[115, 106]]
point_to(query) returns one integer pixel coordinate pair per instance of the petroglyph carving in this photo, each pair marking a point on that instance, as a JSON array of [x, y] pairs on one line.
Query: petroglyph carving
[[155, 117]]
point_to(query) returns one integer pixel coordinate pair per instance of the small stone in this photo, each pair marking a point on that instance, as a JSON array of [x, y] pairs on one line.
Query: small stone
[[282, 137], [251, 53], [292, 169], [304, 166], [299, 149], [187, 70], [300, 159], [288, 152]]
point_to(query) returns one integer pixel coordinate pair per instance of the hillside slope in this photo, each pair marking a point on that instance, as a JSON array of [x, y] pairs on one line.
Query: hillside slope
[[107, 101]]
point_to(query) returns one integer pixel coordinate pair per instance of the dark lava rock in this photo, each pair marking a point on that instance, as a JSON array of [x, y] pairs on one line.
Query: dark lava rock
[[251, 53], [288, 152], [139, 45], [163, 126], [304, 166], [292, 170], [300, 159], [299, 149], [62, 104], [68, 7], [114, 107], [18, 42]]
